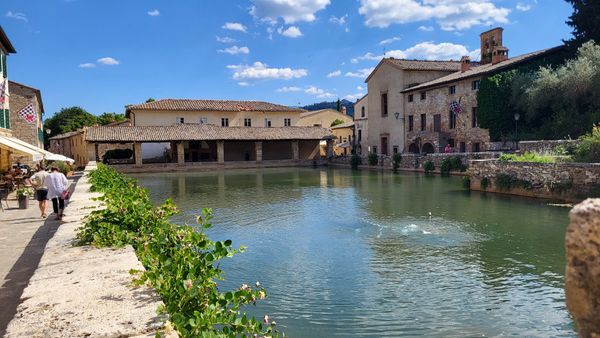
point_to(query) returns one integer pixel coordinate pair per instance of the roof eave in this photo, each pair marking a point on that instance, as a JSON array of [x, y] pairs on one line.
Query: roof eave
[[6, 44]]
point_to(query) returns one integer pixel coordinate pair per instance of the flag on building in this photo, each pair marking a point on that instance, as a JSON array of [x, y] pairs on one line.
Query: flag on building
[[3, 93], [455, 107], [28, 113]]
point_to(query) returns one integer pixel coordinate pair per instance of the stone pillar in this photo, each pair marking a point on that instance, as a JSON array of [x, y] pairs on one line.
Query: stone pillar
[[295, 151], [137, 153], [180, 154], [330, 148], [220, 152], [258, 148], [582, 280], [96, 153]]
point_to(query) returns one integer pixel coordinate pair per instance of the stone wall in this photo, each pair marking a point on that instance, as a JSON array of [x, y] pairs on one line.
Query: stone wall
[[544, 146], [564, 181], [20, 96], [582, 277]]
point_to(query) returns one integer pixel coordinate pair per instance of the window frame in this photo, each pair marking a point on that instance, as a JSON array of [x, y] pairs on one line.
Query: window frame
[[452, 90], [287, 122], [247, 122], [411, 122], [224, 122], [423, 95], [384, 104], [411, 98]]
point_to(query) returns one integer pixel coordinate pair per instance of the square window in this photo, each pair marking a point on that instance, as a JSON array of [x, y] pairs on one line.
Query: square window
[[287, 122], [247, 122], [423, 95], [452, 90], [475, 85], [224, 122], [410, 98]]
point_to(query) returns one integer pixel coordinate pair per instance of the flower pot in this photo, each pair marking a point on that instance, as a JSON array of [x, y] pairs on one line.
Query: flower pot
[[23, 201]]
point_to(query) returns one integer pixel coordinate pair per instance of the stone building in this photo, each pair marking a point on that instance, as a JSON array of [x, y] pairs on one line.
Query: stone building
[[30, 131], [361, 125], [322, 118], [386, 100], [344, 138], [444, 111]]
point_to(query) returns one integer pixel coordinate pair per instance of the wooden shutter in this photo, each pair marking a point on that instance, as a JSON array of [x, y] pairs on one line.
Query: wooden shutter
[[7, 118], [5, 71]]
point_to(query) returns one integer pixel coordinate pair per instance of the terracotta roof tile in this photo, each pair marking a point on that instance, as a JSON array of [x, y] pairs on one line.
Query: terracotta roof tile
[[212, 105], [191, 132], [344, 125]]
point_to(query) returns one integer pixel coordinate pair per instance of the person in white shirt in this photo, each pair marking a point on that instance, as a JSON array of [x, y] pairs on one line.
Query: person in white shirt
[[41, 190], [57, 185]]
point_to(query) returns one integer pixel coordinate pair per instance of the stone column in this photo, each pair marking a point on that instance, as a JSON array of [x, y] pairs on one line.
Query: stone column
[[137, 153], [258, 148], [295, 151], [221, 152], [180, 154], [329, 148], [582, 280], [96, 153]]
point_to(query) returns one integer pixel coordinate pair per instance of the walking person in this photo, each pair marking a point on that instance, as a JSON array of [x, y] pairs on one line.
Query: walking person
[[41, 190], [57, 189]]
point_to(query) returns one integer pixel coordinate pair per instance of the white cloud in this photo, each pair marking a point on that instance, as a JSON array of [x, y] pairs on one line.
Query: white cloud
[[234, 26], [388, 41], [424, 51], [523, 7], [260, 71], [17, 16], [338, 21], [426, 28], [354, 97], [108, 61], [289, 89], [225, 39], [318, 92], [243, 84], [449, 14], [359, 88], [233, 50], [290, 32], [361, 73], [290, 11], [335, 73], [154, 12], [87, 65]]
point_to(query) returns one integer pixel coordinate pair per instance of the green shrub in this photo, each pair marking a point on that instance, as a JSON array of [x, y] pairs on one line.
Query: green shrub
[[355, 161], [373, 159], [396, 159], [63, 167], [452, 163], [466, 181], [429, 166], [507, 181], [181, 263], [528, 157], [485, 183], [588, 149]]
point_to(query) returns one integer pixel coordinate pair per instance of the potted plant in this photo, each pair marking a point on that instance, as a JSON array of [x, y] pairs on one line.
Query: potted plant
[[23, 194]]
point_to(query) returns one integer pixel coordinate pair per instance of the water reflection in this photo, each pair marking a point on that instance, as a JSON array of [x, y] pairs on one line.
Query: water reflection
[[363, 254]]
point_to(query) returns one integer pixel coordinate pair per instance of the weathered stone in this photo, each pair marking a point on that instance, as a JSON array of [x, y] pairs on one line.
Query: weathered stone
[[582, 283]]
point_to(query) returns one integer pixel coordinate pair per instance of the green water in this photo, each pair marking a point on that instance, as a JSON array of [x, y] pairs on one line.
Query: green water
[[358, 254]]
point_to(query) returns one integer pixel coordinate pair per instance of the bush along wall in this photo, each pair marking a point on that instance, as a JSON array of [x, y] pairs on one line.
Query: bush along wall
[[181, 262]]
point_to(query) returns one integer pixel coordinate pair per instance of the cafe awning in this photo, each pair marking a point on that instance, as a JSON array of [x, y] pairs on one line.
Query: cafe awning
[[14, 145]]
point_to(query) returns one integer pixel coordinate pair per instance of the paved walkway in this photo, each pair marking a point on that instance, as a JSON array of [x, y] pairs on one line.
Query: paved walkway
[[23, 237]]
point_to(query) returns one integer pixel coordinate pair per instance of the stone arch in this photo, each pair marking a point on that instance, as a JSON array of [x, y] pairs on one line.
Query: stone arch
[[413, 148], [428, 148]]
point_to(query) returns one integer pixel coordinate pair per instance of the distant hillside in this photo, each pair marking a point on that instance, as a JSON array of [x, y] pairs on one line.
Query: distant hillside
[[331, 105]]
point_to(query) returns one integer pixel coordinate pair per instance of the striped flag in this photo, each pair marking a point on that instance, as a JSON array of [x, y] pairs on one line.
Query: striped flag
[[28, 113]]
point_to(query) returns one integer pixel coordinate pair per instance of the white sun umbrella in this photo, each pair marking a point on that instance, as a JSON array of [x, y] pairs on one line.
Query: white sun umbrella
[[58, 157]]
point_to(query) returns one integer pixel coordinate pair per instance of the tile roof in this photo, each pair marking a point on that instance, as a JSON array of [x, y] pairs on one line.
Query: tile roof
[[344, 125], [315, 112], [212, 105], [191, 132], [66, 135], [423, 65], [483, 69]]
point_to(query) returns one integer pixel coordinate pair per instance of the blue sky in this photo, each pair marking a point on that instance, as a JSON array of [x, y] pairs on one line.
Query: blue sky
[[104, 54]]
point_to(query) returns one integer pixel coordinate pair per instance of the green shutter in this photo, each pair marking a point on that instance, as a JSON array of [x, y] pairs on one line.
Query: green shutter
[[5, 70], [1, 58], [7, 118], [2, 120]]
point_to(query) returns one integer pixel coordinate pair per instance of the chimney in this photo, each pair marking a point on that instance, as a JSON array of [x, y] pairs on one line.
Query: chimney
[[344, 110], [500, 54], [465, 63]]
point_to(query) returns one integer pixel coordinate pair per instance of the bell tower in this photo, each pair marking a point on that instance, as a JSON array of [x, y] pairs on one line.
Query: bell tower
[[490, 41]]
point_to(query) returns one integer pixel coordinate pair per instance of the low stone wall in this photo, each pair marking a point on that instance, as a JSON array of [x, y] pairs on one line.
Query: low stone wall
[[82, 291], [582, 276], [544, 146], [211, 166], [502, 146], [563, 181], [414, 162]]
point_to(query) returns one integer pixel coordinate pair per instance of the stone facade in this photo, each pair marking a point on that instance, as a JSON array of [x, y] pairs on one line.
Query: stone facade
[[582, 277], [321, 118], [344, 138], [545, 146], [361, 125], [431, 124], [385, 86], [20, 96], [562, 181]]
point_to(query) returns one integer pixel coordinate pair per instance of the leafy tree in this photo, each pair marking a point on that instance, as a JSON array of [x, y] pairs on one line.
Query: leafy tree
[[336, 122], [150, 100], [107, 118], [585, 21], [69, 119], [338, 105]]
